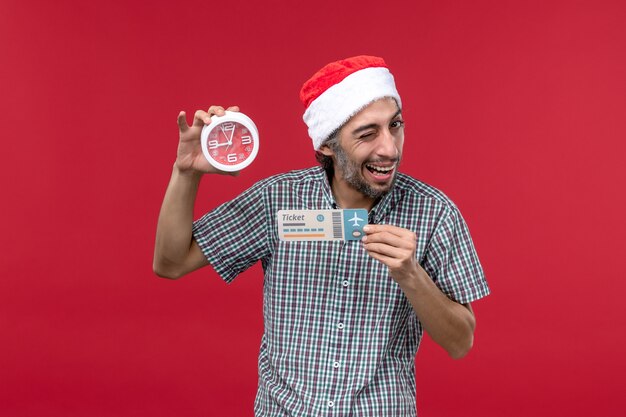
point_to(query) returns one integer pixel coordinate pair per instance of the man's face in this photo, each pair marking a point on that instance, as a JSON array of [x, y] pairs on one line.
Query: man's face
[[369, 149]]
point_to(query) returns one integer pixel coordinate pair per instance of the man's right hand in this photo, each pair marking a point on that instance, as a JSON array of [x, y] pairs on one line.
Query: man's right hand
[[190, 158], [176, 253]]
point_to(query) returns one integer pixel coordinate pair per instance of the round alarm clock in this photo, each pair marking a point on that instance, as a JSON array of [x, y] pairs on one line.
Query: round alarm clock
[[230, 142]]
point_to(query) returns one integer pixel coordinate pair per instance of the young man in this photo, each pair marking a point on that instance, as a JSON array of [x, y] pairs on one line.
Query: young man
[[342, 319]]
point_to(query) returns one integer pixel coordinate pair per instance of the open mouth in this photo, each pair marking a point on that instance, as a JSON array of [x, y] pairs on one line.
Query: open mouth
[[381, 172]]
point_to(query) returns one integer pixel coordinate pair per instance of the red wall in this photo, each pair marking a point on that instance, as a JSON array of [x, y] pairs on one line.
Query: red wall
[[517, 110]]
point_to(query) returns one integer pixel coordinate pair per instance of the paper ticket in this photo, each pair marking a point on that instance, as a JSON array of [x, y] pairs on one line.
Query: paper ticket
[[346, 224]]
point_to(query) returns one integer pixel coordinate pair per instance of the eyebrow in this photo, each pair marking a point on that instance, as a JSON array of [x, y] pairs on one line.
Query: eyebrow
[[373, 125]]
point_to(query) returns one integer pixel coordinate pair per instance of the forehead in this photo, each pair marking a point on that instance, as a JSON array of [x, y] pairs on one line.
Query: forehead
[[377, 112]]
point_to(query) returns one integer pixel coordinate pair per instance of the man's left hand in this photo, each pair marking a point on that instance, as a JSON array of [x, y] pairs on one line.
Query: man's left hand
[[393, 246]]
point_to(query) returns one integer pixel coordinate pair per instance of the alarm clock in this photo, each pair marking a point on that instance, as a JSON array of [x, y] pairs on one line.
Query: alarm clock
[[230, 142]]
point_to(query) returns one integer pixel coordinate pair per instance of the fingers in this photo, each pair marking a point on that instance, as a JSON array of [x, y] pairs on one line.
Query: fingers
[[389, 241], [390, 261], [376, 228], [393, 246], [202, 118], [387, 248], [392, 235], [182, 122], [217, 110], [384, 252]]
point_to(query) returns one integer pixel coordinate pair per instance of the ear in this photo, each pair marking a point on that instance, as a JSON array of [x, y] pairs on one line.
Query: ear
[[325, 149]]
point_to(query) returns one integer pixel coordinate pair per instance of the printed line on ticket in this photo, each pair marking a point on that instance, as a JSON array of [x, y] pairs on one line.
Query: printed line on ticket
[[302, 225]]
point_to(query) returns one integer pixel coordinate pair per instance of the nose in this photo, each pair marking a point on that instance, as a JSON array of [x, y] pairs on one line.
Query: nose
[[386, 146]]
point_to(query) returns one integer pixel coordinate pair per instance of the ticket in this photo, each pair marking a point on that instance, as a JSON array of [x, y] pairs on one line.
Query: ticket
[[297, 225]]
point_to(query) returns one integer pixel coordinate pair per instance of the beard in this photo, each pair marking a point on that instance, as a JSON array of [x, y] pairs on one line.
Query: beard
[[353, 176]]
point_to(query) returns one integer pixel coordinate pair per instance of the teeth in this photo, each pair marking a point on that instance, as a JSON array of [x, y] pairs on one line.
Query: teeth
[[380, 169]]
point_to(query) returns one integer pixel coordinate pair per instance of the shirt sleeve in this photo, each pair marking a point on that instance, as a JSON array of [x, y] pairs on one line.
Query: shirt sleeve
[[234, 235], [452, 262]]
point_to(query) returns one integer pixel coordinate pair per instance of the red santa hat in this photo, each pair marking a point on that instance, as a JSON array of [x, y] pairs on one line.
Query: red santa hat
[[340, 90]]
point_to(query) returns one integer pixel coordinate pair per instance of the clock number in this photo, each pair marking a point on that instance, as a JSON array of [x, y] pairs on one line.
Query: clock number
[[231, 157], [246, 140], [228, 127], [213, 144]]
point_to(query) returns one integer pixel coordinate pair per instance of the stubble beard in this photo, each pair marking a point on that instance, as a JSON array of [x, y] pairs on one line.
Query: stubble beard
[[352, 174]]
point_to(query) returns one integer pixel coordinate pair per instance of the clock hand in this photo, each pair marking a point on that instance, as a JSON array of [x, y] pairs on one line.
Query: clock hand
[[224, 132], [229, 139], [232, 132], [215, 144]]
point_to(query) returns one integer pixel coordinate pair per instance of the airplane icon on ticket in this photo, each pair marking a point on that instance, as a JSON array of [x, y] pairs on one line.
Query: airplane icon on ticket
[[356, 219]]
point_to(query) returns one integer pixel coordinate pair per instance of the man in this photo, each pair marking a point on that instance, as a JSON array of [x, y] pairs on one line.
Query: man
[[342, 319]]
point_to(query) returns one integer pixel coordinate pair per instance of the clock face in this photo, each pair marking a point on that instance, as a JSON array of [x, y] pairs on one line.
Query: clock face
[[230, 143]]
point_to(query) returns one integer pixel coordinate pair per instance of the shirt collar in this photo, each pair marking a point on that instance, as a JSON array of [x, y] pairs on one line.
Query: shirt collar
[[376, 215], [382, 208], [327, 194]]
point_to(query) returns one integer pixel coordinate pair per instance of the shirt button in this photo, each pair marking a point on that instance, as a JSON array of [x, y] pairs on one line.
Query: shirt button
[[335, 365], [331, 403], [345, 283], [340, 326]]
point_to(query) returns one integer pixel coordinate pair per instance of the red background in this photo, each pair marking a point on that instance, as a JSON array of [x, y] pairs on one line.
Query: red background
[[517, 110]]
